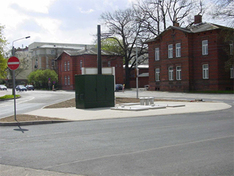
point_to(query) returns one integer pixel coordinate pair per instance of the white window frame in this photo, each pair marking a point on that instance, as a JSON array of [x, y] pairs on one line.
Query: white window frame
[[68, 80], [231, 48], [65, 66], [157, 56], [231, 73], [178, 73], [170, 73], [81, 64], [68, 66], [157, 74], [204, 47], [65, 80], [205, 71], [178, 49], [170, 51]]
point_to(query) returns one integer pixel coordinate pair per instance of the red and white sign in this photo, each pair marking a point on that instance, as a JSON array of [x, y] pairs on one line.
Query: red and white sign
[[13, 63]]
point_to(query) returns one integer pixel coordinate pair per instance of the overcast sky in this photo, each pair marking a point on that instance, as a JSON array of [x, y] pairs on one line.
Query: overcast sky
[[64, 21], [60, 21]]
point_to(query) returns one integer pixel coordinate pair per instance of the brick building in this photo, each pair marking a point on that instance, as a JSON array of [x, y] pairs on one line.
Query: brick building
[[44, 54], [191, 58], [71, 63]]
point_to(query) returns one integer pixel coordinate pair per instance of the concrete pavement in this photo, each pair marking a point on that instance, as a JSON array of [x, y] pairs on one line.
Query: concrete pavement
[[190, 106], [107, 113]]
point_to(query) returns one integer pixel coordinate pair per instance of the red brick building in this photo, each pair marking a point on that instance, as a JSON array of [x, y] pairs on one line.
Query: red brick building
[[70, 63], [191, 58]]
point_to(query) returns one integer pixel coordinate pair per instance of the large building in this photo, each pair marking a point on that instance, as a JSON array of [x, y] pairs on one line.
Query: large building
[[191, 58], [44, 54], [71, 63], [21, 74]]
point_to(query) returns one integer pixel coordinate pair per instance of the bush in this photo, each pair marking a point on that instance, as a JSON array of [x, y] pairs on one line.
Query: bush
[[43, 79]]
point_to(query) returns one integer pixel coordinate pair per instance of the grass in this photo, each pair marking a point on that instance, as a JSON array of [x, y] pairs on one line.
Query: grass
[[8, 97]]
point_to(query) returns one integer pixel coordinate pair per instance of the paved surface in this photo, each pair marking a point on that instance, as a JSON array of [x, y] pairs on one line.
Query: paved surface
[[107, 113], [74, 114]]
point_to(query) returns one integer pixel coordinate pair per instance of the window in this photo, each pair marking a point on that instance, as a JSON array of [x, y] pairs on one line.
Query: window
[[231, 48], [205, 47], [178, 73], [65, 66], [231, 73], [68, 66], [68, 80], [65, 80], [81, 62], [156, 54], [170, 73], [109, 63], [205, 71], [157, 74], [170, 51], [178, 50], [47, 63]]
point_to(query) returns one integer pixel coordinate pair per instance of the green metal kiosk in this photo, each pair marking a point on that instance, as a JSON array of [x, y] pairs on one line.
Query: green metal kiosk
[[92, 91]]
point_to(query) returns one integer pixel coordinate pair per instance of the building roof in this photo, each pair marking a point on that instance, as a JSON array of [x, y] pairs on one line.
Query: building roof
[[91, 51], [64, 46], [194, 28]]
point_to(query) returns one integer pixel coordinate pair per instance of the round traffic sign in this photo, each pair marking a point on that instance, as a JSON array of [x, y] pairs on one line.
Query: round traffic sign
[[13, 63]]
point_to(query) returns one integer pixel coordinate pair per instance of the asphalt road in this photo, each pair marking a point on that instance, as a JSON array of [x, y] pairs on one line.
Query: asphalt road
[[32, 100], [183, 144]]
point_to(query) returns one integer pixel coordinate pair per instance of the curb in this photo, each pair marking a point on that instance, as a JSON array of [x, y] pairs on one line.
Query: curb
[[33, 122]]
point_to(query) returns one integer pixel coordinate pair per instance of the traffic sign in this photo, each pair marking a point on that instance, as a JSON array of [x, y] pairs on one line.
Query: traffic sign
[[13, 63]]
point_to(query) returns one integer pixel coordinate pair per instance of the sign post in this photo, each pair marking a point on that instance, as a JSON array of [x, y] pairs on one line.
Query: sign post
[[13, 64]]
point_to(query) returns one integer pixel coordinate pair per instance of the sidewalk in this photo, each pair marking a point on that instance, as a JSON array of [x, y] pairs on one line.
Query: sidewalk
[[73, 114]]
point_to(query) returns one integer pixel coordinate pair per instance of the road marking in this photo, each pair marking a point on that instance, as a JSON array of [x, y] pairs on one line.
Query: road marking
[[141, 151]]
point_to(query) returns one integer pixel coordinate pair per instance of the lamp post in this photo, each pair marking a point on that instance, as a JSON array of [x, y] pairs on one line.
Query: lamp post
[[137, 20], [13, 73]]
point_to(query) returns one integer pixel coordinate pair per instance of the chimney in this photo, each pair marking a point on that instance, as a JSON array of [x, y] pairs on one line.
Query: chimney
[[176, 24], [197, 19]]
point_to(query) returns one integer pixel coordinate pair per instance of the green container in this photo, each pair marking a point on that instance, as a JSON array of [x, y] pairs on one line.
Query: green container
[[94, 91]]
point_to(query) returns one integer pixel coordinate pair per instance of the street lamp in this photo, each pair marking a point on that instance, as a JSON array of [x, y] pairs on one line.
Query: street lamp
[[13, 73], [137, 20], [13, 51]]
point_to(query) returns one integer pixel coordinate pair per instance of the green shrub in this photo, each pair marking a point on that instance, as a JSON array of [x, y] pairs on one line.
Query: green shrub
[[7, 97]]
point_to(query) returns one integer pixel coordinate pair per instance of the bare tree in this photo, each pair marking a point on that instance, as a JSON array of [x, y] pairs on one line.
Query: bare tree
[[125, 27], [224, 10], [159, 14], [178, 9]]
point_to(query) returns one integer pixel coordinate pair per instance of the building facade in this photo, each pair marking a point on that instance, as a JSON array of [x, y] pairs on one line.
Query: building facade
[[191, 58], [21, 74], [70, 63], [44, 54]]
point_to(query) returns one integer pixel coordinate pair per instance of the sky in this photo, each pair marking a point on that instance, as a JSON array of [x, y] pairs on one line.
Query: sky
[[59, 21]]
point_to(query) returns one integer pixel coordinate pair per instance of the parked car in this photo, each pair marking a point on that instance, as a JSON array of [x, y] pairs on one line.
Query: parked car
[[21, 88], [30, 87], [118, 87], [3, 87]]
